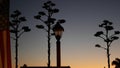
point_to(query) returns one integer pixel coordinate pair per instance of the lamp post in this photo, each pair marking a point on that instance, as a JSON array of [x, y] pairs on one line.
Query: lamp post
[[58, 30]]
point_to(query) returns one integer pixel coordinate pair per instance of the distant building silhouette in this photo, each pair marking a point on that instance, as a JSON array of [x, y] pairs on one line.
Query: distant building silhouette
[[25, 66]]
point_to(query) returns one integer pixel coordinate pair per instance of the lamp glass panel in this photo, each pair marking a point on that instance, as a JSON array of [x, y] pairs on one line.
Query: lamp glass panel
[[58, 33]]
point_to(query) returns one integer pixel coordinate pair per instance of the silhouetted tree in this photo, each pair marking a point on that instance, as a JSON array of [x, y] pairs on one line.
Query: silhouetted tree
[[107, 37], [17, 30], [49, 21], [116, 62]]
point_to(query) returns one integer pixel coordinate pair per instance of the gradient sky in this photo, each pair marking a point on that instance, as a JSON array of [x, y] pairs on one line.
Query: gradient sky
[[78, 41]]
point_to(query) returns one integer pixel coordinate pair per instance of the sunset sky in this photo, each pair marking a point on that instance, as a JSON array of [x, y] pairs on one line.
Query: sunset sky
[[78, 41]]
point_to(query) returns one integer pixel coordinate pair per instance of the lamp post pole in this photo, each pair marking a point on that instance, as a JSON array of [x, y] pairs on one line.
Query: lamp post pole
[[58, 53]]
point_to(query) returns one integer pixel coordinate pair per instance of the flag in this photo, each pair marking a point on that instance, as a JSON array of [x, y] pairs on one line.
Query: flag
[[5, 49]]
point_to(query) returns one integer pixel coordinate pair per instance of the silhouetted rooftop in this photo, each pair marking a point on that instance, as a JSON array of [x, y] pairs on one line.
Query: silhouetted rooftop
[[25, 66]]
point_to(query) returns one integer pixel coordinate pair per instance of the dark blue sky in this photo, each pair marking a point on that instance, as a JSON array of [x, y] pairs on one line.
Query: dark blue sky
[[82, 20]]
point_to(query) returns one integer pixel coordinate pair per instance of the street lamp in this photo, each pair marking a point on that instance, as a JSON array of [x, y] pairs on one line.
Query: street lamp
[[58, 30]]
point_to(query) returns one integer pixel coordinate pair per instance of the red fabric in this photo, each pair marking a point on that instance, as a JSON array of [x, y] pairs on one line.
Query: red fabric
[[2, 48], [8, 49], [5, 49]]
